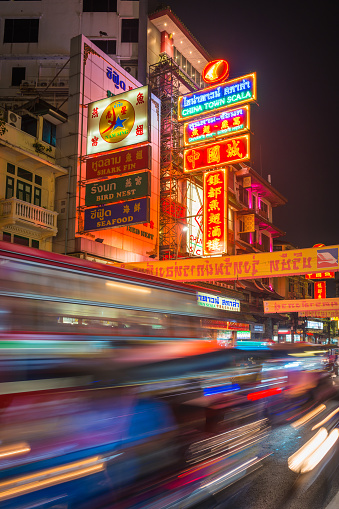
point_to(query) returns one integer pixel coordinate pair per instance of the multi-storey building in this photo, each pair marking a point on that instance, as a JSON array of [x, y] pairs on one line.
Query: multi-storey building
[[44, 67]]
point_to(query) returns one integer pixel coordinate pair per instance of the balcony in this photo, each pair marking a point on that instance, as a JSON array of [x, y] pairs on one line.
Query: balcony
[[29, 216]]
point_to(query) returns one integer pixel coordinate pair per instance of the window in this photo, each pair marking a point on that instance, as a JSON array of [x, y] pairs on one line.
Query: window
[[29, 125], [9, 188], [184, 63], [24, 174], [129, 30], [37, 196], [35, 243], [189, 68], [23, 191], [108, 46], [243, 195], [21, 30], [38, 180], [263, 209], [18, 75], [6, 237], [23, 241], [11, 168], [177, 56], [49, 132], [99, 6], [266, 242], [230, 219]]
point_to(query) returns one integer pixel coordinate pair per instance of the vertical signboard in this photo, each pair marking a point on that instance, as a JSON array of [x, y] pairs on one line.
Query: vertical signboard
[[320, 290], [215, 212]]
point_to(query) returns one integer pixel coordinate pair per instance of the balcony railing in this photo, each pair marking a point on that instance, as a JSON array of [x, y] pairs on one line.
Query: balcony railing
[[14, 210]]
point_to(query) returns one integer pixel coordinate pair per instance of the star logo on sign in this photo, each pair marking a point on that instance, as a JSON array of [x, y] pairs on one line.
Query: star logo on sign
[[119, 123]]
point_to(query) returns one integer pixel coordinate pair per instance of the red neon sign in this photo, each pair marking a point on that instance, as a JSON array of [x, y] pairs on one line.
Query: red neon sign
[[225, 123], [320, 275], [232, 150], [215, 209], [320, 290], [216, 71]]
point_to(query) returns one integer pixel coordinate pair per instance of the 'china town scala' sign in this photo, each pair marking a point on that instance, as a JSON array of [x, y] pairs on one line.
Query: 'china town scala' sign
[[118, 121], [233, 92]]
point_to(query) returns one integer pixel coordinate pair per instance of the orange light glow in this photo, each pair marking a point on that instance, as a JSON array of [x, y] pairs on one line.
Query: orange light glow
[[13, 450], [123, 286], [310, 415], [216, 71]]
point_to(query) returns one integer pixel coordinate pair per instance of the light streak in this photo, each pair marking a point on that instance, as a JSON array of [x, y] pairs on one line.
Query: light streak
[[316, 426], [309, 416], [295, 462]]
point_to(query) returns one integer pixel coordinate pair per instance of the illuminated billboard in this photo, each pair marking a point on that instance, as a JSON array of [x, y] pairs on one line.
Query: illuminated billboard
[[212, 155], [118, 162], [225, 123], [129, 187], [320, 275], [118, 121], [320, 290], [233, 92], [215, 212], [215, 71], [214, 301], [117, 214]]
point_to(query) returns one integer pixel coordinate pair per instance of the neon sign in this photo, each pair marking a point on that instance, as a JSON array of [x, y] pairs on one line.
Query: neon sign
[[214, 301], [320, 290], [232, 150], [233, 121], [320, 275], [216, 71], [234, 92], [215, 209]]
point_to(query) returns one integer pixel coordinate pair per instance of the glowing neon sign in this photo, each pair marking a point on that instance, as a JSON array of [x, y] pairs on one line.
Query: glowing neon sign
[[320, 275], [227, 122], [233, 92], [216, 71], [215, 210], [211, 155]]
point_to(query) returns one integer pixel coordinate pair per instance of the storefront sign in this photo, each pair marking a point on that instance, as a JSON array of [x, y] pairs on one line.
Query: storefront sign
[[243, 335], [320, 275], [128, 187], [215, 210], [297, 305], [233, 92], [118, 214], [118, 121], [212, 301], [233, 121], [248, 266], [212, 155], [314, 325], [319, 314], [118, 162], [320, 289]]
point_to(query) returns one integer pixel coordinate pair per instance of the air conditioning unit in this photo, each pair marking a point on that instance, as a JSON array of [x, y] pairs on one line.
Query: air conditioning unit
[[14, 120]]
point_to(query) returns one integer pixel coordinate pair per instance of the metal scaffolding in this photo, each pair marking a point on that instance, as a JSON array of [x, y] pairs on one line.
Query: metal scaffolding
[[164, 79]]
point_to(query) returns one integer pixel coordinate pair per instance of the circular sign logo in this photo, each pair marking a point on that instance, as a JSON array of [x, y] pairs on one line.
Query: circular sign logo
[[216, 71], [117, 121]]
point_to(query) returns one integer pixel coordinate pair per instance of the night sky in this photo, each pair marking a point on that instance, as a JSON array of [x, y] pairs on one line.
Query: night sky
[[293, 49]]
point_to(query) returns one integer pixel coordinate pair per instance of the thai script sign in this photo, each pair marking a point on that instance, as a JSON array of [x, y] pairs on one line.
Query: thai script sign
[[232, 92], [249, 266], [225, 123], [320, 289], [215, 210], [213, 301], [117, 189], [115, 77], [319, 314], [221, 325], [118, 162], [309, 305], [118, 121], [320, 275], [118, 214], [232, 150]]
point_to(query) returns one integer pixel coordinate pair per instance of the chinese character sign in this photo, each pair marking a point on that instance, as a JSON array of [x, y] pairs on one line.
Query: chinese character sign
[[116, 163], [130, 187], [215, 211], [117, 214], [233, 92], [320, 275], [118, 121], [227, 122], [232, 150], [320, 290]]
